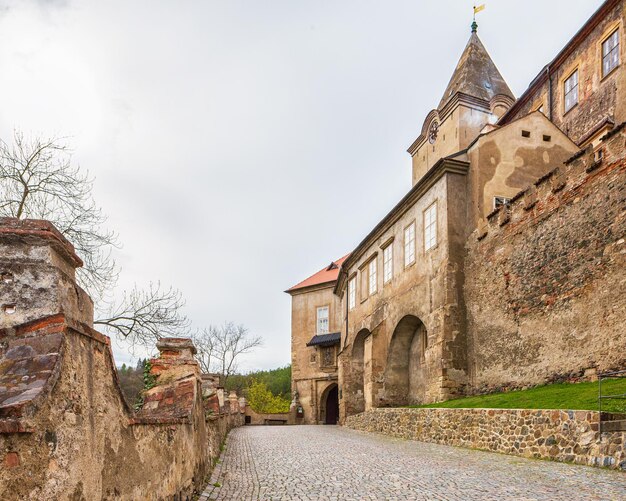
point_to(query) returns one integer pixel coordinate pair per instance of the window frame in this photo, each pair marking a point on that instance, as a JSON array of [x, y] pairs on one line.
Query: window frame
[[505, 201], [414, 249], [352, 285], [317, 319], [615, 48], [387, 263], [433, 225], [575, 71], [372, 276]]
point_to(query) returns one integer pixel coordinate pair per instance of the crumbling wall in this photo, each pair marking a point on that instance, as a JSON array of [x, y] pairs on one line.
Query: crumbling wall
[[66, 431], [545, 277]]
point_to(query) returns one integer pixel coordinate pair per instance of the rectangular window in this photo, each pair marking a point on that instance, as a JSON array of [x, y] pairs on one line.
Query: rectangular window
[[387, 263], [352, 293], [430, 227], [372, 275], [500, 201], [610, 53], [409, 245], [322, 320], [571, 91]]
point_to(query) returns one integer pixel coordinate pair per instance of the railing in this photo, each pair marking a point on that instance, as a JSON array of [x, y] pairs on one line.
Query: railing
[[602, 397]]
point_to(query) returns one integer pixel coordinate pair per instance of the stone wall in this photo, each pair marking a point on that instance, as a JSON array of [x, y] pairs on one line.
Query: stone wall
[[544, 278], [66, 431], [571, 436]]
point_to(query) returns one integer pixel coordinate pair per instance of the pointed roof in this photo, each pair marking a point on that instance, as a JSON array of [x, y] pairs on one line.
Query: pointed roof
[[326, 275], [476, 74]]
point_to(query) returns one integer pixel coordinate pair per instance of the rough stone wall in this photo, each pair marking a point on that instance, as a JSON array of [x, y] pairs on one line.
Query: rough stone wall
[[545, 279], [571, 436], [66, 431]]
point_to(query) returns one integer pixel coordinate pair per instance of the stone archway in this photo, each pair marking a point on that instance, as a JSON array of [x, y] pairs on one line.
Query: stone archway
[[357, 373], [404, 372], [329, 405]]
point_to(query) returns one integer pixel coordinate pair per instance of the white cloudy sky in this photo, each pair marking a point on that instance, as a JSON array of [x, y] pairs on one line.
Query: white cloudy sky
[[239, 146]]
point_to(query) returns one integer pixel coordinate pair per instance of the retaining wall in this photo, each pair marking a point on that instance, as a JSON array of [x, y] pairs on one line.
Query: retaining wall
[[571, 436]]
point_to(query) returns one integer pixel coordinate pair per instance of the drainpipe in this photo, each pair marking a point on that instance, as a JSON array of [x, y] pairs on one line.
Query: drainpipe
[[549, 104]]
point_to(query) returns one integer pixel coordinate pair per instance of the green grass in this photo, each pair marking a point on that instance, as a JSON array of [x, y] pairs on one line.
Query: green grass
[[568, 396]]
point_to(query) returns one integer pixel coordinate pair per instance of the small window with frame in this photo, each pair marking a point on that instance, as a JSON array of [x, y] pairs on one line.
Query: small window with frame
[[570, 89], [322, 320], [430, 227], [610, 53], [388, 263], [500, 201], [409, 245], [352, 293]]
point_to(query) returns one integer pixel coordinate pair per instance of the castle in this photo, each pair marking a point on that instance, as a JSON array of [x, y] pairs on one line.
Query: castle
[[503, 265]]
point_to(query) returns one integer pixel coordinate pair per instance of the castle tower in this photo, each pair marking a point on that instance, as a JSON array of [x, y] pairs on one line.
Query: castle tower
[[476, 95]]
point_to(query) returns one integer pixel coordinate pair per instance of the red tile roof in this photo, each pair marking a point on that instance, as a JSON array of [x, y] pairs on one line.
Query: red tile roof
[[325, 275]]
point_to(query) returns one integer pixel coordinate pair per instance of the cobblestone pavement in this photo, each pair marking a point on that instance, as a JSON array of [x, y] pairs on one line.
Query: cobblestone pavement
[[332, 463]]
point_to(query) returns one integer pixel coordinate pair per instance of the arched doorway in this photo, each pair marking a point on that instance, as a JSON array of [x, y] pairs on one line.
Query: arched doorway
[[404, 373], [330, 405]]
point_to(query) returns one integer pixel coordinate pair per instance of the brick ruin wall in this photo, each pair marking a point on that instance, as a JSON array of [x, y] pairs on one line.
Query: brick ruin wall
[[571, 436], [545, 281], [66, 431]]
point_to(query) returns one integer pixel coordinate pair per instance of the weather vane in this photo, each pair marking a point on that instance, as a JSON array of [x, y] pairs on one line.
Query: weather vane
[[476, 11]]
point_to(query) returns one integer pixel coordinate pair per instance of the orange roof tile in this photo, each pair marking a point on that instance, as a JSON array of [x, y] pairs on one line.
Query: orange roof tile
[[325, 275]]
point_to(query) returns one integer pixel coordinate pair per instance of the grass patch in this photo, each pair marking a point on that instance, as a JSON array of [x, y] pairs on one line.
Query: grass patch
[[568, 396]]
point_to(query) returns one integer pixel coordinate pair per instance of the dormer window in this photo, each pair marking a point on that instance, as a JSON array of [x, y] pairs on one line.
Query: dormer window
[[500, 201]]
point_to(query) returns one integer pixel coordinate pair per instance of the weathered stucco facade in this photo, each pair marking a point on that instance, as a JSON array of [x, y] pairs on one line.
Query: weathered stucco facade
[[66, 431], [314, 346], [454, 292]]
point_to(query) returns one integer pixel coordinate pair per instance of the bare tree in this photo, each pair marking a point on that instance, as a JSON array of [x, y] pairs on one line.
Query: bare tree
[[204, 341], [220, 348], [39, 181], [143, 316]]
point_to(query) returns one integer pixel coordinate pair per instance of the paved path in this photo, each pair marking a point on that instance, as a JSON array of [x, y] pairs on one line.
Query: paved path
[[331, 463]]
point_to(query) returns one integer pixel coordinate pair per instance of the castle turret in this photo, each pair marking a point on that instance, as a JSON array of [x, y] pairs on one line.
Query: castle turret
[[476, 95]]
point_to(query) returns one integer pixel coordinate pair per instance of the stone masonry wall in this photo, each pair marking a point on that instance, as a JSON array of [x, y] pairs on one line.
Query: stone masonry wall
[[571, 436], [66, 431], [545, 277]]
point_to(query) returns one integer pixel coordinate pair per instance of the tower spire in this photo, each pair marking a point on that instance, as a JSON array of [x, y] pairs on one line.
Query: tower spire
[[476, 11]]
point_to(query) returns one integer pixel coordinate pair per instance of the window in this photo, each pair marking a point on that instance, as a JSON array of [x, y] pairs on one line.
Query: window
[[500, 201], [430, 227], [387, 263], [322, 320], [525, 133], [352, 293], [409, 244], [571, 91], [372, 275], [610, 53]]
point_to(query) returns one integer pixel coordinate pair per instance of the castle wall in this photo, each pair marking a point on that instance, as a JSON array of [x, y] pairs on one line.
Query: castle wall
[[66, 431], [418, 312], [544, 280]]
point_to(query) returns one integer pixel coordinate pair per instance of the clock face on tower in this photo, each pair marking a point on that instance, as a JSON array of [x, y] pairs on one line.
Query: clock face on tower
[[433, 131]]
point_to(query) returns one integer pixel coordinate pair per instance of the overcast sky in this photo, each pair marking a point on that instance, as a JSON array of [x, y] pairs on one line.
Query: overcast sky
[[240, 146]]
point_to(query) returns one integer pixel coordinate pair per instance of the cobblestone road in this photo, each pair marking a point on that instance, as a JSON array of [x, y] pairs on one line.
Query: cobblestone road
[[328, 463]]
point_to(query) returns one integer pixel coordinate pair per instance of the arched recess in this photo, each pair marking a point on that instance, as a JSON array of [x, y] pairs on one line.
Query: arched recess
[[329, 405], [404, 372], [357, 373]]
